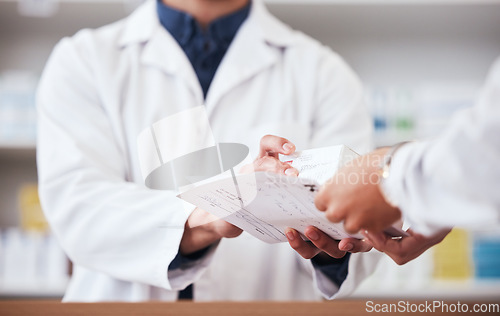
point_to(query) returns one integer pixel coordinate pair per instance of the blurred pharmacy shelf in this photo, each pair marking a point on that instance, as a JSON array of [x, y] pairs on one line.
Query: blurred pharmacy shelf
[[449, 271], [17, 151], [382, 40], [380, 2], [420, 111], [421, 61], [13, 146], [289, 2], [31, 262], [444, 290], [33, 291]]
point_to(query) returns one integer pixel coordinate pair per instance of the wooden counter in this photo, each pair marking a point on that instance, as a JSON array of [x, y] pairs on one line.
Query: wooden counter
[[341, 307]]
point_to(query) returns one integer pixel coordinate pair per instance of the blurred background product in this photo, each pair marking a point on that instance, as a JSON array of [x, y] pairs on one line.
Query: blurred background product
[[32, 218], [486, 253], [421, 61], [31, 261], [452, 257], [17, 106]]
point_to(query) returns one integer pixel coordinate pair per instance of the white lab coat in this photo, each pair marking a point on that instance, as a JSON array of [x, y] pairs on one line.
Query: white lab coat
[[453, 180], [102, 87]]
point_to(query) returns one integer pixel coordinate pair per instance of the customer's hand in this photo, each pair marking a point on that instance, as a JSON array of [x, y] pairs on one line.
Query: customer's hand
[[353, 195], [268, 160], [406, 249]]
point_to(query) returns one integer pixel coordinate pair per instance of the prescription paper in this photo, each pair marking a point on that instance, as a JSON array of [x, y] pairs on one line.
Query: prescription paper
[[265, 204]]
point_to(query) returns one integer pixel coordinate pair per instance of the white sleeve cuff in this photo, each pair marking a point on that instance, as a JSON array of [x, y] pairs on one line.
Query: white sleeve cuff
[[361, 266], [185, 275]]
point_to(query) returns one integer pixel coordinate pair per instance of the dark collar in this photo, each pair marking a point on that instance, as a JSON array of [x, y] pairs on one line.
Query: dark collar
[[183, 26]]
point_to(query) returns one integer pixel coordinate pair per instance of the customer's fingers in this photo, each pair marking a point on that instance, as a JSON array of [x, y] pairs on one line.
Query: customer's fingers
[[355, 245]]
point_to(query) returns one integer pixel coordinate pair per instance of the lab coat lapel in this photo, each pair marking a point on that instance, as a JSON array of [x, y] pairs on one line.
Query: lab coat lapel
[[256, 46], [246, 57], [161, 50]]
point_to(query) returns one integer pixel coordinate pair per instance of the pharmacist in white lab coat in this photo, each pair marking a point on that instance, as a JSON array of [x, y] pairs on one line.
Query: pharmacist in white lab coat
[[453, 180], [102, 87]]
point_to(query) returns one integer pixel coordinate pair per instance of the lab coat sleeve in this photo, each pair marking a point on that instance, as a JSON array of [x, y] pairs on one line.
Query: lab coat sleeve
[[102, 221], [341, 117], [361, 266], [453, 180]]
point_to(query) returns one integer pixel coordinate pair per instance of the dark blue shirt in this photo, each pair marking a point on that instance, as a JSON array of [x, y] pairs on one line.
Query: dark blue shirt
[[334, 269], [204, 48]]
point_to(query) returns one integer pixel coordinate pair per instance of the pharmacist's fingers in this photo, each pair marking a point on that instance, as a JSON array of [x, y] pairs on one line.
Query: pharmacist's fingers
[[271, 145], [306, 249], [273, 165], [355, 245], [324, 242]]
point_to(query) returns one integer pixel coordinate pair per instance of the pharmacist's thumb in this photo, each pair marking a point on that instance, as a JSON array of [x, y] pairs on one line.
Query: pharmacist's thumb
[[271, 145], [273, 165]]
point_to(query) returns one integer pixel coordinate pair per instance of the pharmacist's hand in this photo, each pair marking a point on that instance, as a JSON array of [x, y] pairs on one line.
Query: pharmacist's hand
[[270, 148], [203, 229], [406, 249], [353, 195], [321, 242]]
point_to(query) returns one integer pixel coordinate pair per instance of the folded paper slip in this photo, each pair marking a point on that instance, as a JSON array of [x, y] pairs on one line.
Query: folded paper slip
[[264, 204]]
